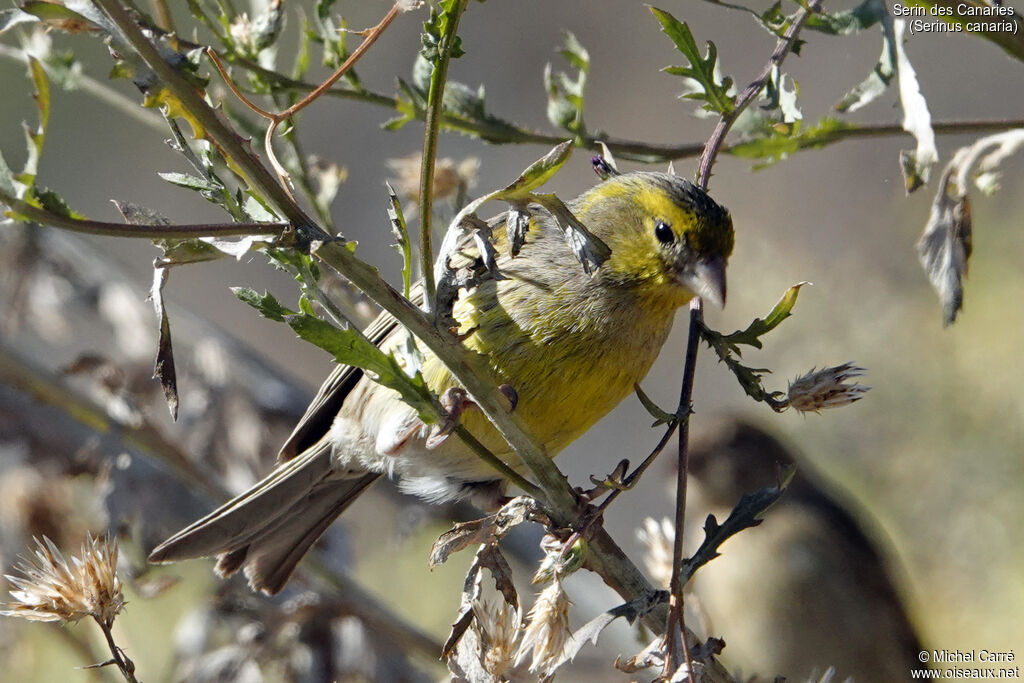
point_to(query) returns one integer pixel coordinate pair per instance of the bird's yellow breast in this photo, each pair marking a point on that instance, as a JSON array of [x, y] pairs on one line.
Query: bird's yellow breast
[[569, 354]]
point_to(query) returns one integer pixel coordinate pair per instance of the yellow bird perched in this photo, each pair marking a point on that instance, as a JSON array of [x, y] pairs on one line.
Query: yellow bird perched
[[571, 345]]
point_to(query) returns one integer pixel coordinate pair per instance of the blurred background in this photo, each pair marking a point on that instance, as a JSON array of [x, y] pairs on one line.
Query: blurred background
[[931, 459]]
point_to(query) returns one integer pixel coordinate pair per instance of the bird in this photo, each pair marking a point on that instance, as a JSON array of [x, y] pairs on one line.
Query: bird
[[809, 589], [570, 344]]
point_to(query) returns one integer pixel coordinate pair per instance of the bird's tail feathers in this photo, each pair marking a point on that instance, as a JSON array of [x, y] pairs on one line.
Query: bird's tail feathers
[[270, 527]]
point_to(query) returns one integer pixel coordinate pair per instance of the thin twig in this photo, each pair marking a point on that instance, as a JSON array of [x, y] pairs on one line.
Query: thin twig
[[370, 37], [749, 94], [675, 600], [183, 231], [126, 666], [435, 102], [707, 160]]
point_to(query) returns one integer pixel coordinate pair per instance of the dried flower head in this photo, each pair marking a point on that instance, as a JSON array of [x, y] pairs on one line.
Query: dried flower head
[[450, 179], [657, 539], [826, 388], [498, 630], [547, 631], [241, 29], [53, 589]]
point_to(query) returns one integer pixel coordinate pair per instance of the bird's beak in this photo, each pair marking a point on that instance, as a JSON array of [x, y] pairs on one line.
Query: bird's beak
[[707, 280]]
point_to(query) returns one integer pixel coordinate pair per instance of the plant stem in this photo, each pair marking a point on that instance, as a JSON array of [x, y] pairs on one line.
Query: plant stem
[[432, 121], [183, 231], [125, 665], [675, 605]]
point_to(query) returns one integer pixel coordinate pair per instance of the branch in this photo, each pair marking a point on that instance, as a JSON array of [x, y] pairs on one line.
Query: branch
[[23, 209], [371, 36], [675, 605], [432, 120]]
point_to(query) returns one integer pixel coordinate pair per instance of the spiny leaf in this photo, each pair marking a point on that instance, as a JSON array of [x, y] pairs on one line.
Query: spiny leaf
[[727, 347], [268, 306], [436, 30], [748, 513], [759, 327], [349, 347], [49, 200], [401, 233], [36, 138], [589, 632], [714, 92], [191, 182]]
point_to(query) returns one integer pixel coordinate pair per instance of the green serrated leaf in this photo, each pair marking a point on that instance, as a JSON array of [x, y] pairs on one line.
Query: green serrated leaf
[[702, 70], [779, 145], [35, 139], [463, 101], [349, 347], [401, 233], [565, 93], [48, 200], [781, 311], [267, 305], [727, 347], [437, 28]]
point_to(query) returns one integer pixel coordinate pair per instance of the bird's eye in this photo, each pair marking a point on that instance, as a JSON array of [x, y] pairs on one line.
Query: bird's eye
[[664, 233]]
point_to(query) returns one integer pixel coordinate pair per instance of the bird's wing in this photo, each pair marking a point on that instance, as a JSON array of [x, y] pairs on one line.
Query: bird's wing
[[320, 414]]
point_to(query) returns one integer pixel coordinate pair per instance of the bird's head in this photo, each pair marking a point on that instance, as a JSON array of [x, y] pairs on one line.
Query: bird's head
[[668, 237]]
